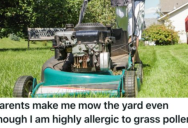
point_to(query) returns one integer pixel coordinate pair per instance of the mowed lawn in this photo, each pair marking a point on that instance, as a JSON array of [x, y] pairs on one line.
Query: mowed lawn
[[165, 69]]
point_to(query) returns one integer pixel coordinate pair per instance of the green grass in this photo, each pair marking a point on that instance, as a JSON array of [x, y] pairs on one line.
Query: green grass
[[165, 69], [8, 43], [14, 64]]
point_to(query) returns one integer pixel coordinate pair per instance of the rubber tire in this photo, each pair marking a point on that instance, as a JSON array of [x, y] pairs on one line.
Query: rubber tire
[[139, 72], [23, 86], [130, 84]]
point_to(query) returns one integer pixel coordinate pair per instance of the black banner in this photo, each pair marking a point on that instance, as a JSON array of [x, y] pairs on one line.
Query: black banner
[[43, 33]]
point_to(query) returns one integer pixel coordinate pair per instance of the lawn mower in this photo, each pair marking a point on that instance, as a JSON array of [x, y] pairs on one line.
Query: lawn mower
[[86, 60]]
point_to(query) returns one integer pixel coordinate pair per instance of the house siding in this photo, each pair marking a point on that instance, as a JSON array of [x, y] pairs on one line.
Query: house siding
[[178, 21]]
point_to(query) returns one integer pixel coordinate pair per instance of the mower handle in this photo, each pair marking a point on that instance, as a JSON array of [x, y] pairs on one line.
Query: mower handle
[[82, 11]]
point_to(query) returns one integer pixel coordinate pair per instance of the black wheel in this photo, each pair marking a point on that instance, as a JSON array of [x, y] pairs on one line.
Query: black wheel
[[130, 84], [23, 86], [139, 72]]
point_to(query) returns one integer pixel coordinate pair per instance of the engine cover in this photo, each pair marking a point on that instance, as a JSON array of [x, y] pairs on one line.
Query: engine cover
[[90, 26], [93, 36]]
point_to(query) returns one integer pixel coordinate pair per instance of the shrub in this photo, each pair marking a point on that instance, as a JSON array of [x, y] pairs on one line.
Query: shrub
[[14, 37], [161, 35]]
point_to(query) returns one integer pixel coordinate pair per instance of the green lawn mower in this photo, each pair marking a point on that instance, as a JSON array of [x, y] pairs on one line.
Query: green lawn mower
[[86, 61]]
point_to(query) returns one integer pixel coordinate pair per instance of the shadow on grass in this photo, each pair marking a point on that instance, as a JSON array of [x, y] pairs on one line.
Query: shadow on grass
[[146, 65]]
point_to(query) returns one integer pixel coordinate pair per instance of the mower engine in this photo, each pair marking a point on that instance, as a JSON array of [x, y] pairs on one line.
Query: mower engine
[[90, 45]]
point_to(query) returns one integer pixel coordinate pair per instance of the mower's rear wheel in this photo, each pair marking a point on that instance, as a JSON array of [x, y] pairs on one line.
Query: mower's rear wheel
[[130, 84], [139, 72], [23, 86]]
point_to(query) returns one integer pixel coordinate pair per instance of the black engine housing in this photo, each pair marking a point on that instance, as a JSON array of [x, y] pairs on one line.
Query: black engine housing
[[90, 26], [91, 32]]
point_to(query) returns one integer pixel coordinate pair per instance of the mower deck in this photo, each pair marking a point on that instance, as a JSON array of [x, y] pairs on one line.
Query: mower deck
[[60, 83], [61, 90]]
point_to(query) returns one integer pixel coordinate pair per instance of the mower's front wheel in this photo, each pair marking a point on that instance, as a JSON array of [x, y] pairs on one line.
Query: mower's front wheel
[[23, 86], [130, 84]]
